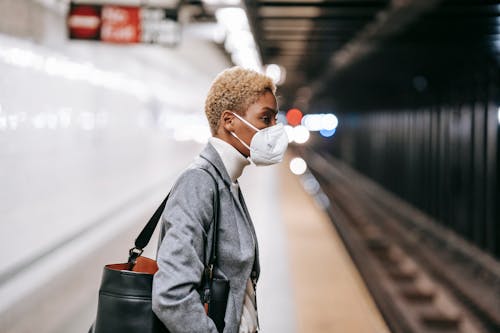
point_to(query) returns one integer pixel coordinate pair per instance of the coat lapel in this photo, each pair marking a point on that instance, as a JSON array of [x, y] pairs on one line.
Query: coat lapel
[[209, 153]]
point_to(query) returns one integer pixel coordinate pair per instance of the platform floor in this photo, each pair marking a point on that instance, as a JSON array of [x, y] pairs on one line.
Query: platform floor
[[329, 293], [308, 282]]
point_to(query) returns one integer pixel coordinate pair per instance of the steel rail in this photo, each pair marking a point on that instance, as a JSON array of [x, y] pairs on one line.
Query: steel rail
[[422, 277]]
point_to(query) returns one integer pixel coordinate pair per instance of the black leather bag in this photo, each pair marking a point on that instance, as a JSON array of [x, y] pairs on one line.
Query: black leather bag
[[124, 304]]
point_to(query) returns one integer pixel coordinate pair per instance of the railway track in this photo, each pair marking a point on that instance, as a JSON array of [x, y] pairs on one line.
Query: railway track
[[423, 277]]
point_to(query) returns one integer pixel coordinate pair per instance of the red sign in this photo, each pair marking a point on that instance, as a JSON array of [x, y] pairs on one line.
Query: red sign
[[84, 22], [120, 24], [123, 24]]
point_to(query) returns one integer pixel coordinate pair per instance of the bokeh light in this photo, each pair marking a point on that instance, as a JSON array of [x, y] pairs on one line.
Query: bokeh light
[[289, 132], [330, 121], [301, 134], [320, 121], [298, 166], [294, 117], [276, 73], [327, 133]]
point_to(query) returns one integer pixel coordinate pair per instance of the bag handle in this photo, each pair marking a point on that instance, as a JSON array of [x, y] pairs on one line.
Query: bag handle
[[147, 232]]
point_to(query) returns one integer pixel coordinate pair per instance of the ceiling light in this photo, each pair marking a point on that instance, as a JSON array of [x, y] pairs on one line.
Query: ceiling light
[[218, 3], [232, 18]]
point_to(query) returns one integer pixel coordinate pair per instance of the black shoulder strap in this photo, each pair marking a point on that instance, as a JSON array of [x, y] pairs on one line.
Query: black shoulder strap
[[147, 232]]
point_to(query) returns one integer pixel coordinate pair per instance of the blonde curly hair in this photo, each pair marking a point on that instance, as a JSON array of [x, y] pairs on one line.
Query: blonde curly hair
[[235, 89]]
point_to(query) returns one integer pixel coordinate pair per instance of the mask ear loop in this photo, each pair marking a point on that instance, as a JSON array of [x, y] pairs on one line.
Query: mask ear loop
[[242, 142], [246, 122]]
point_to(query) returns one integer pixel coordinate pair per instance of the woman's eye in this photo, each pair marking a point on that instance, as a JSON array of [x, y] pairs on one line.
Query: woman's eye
[[267, 120]]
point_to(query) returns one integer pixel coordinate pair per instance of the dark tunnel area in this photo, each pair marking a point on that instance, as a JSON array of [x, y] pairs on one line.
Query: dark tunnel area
[[419, 113]]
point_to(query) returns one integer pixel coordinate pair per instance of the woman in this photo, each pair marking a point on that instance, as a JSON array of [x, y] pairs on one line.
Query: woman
[[241, 110]]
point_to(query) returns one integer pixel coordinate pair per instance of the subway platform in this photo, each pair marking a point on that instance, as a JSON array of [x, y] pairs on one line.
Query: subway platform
[[393, 105]]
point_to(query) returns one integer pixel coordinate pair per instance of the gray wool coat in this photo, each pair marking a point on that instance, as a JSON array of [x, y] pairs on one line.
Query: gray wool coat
[[185, 225]]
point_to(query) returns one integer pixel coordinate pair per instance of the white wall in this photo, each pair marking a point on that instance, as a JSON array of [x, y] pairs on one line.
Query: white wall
[[86, 131]]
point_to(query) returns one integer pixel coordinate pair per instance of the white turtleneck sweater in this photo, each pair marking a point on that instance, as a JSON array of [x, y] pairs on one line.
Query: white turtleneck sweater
[[235, 162]]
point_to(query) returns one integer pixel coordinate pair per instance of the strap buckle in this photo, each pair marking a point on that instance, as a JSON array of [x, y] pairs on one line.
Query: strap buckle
[[133, 254], [209, 271]]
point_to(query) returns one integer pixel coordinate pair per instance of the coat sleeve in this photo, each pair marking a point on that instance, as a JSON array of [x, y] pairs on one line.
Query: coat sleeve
[[180, 257]]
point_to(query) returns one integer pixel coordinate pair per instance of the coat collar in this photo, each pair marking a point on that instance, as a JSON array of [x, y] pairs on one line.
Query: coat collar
[[213, 157]]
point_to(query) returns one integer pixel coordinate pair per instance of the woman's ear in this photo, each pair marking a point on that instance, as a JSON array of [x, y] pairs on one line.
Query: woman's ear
[[227, 120]]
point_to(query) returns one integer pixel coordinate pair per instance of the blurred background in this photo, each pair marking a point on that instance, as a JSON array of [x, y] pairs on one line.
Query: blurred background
[[384, 217]]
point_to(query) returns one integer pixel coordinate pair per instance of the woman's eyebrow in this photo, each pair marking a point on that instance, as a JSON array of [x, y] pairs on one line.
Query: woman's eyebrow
[[270, 109]]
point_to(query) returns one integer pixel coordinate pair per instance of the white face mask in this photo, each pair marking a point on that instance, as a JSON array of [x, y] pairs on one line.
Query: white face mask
[[268, 145]]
